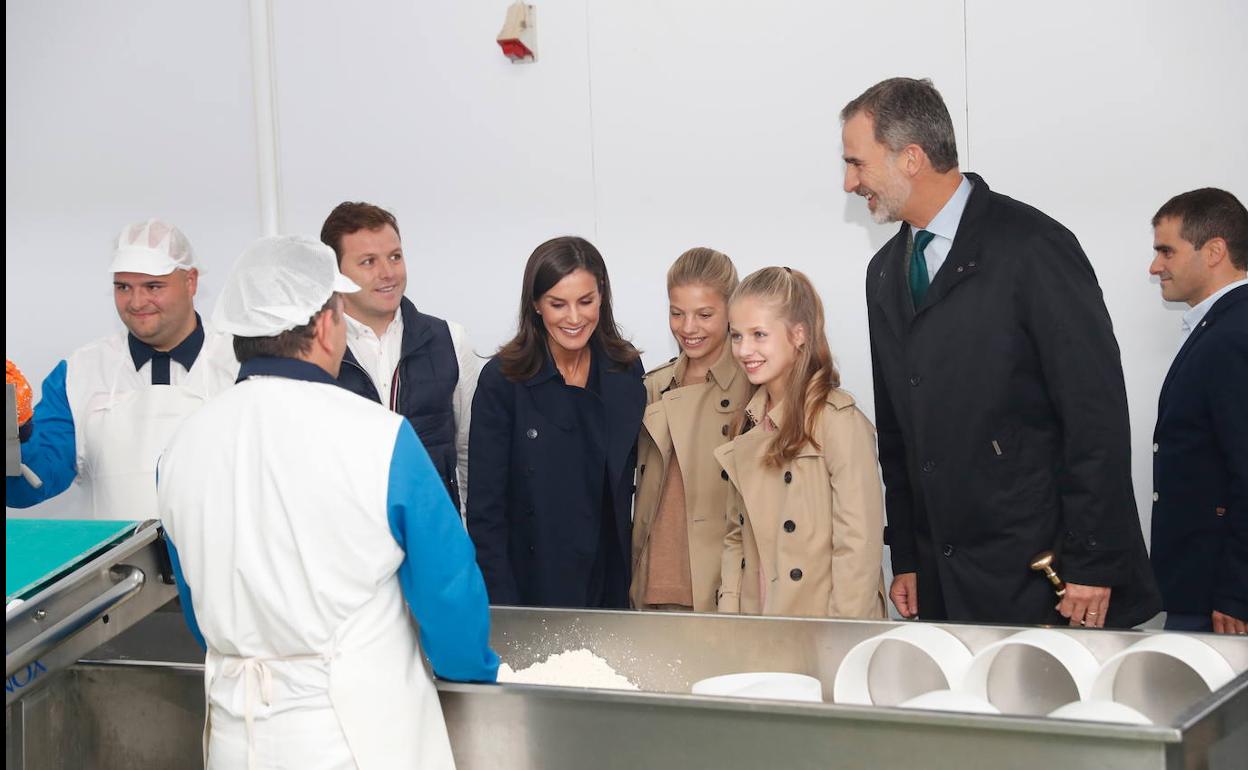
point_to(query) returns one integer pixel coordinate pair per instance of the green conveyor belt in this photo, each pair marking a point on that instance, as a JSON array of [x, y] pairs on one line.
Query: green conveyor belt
[[38, 550]]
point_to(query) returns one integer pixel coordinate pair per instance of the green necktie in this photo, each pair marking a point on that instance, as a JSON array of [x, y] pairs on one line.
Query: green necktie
[[918, 267]]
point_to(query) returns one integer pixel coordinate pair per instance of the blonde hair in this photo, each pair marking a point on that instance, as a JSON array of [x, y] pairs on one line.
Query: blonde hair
[[706, 267], [813, 376]]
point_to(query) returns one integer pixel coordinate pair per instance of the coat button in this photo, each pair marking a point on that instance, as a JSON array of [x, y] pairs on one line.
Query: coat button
[[532, 549], [741, 519], [743, 564], [641, 469], [724, 403], [531, 433], [915, 380], [723, 475], [788, 477], [789, 526], [929, 466], [1156, 497], [1156, 447], [724, 430], [1091, 542], [795, 574], [948, 550]]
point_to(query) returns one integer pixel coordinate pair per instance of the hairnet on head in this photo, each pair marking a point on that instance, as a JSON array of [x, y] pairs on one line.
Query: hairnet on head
[[279, 282], [152, 247]]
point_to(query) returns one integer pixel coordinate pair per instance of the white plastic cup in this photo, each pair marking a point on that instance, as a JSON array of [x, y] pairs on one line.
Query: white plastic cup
[[770, 685], [1199, 669], [1071, 656], [1100, 711], [951, 700], [853, 683]]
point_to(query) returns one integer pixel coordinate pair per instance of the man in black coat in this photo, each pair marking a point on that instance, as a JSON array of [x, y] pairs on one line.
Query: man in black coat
[[1200, 444], [1000, 404]]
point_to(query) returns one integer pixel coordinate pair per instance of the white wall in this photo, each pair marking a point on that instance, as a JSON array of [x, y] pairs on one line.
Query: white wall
[[647, 126]]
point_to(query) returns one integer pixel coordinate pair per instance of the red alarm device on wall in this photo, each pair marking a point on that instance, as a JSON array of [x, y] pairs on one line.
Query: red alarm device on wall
[[518, 38]]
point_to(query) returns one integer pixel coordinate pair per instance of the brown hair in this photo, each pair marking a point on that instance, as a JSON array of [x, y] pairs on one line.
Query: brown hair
[[348, 217], [1210, 213], [813, 375], [291, 343], [705, 267], [522, 356]]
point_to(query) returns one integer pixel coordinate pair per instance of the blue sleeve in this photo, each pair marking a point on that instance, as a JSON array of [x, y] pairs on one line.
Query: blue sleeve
[[439, 575], [184, 593], [51, 451]]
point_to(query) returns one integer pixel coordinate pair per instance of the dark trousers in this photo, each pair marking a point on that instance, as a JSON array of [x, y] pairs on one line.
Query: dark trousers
[[1189, 621]]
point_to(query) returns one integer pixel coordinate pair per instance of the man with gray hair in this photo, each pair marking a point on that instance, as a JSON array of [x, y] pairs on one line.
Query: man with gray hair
[[1000, 404]]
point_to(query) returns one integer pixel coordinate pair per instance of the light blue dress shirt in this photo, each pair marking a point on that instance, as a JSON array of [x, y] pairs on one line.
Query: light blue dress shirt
[[1196, 314], [944, 225]]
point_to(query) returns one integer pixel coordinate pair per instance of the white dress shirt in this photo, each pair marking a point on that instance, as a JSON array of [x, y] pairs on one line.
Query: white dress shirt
[[379, 357], [1195, 314], [944, 226]]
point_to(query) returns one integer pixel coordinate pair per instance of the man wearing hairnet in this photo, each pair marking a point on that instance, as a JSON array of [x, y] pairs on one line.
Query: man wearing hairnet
[[304, 522], [108, 410]]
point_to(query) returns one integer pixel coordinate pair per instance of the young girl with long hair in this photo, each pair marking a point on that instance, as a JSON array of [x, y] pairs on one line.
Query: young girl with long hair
[[805, 513], [678, 517]]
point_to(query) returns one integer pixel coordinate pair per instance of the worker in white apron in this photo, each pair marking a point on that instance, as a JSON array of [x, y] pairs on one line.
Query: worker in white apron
[[108, 410], [307, 526]]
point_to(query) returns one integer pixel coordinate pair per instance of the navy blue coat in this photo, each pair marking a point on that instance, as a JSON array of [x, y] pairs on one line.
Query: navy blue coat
[[1001, 414], [1200, 467], [423, 390], [543, 472]]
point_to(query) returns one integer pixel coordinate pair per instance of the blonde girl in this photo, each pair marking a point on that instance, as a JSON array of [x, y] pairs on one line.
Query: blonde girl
[[805, 513], [678, 519]]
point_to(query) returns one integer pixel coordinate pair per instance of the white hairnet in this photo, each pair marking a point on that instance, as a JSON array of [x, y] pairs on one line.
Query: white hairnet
[[152, 247], [278, 283]]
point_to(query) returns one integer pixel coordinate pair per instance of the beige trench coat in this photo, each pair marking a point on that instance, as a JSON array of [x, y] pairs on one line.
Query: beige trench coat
[[813, 528], [692, 421]]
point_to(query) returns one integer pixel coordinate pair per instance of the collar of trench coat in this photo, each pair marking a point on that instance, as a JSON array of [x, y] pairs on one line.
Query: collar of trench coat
[[723, 372]]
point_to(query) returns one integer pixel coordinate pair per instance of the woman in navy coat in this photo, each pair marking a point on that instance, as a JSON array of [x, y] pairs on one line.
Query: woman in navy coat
[[552, 446]]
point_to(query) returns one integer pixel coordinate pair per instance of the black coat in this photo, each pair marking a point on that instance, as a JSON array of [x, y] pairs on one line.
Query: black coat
[[1002, 421], [1200, 467], [538, 499]]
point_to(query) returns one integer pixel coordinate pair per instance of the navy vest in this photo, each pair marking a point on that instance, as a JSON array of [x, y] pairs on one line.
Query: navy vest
[[423, 388]]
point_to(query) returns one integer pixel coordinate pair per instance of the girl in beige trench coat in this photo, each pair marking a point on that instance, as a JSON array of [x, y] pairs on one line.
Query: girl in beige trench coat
[[678, 519], [805, 512]]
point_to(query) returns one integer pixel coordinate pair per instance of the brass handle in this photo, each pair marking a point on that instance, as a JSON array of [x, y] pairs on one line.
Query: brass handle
[[1043, 562]]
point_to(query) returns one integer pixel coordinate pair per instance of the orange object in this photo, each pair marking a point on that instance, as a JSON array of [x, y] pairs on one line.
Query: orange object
[[13, 376]]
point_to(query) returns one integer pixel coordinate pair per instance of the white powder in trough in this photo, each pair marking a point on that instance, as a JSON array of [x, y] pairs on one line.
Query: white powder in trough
[[571, 668]]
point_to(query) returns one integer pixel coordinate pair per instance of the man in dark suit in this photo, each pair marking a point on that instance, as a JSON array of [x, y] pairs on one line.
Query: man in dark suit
[[1200, 444], [1000, 404]]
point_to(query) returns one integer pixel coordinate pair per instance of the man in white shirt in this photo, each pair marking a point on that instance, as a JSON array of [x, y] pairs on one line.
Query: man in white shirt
[[108, 410], [1200, 443], [417, 365]]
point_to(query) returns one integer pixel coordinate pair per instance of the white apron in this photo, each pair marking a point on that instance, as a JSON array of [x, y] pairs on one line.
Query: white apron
[[123, 438], [279, 713]]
